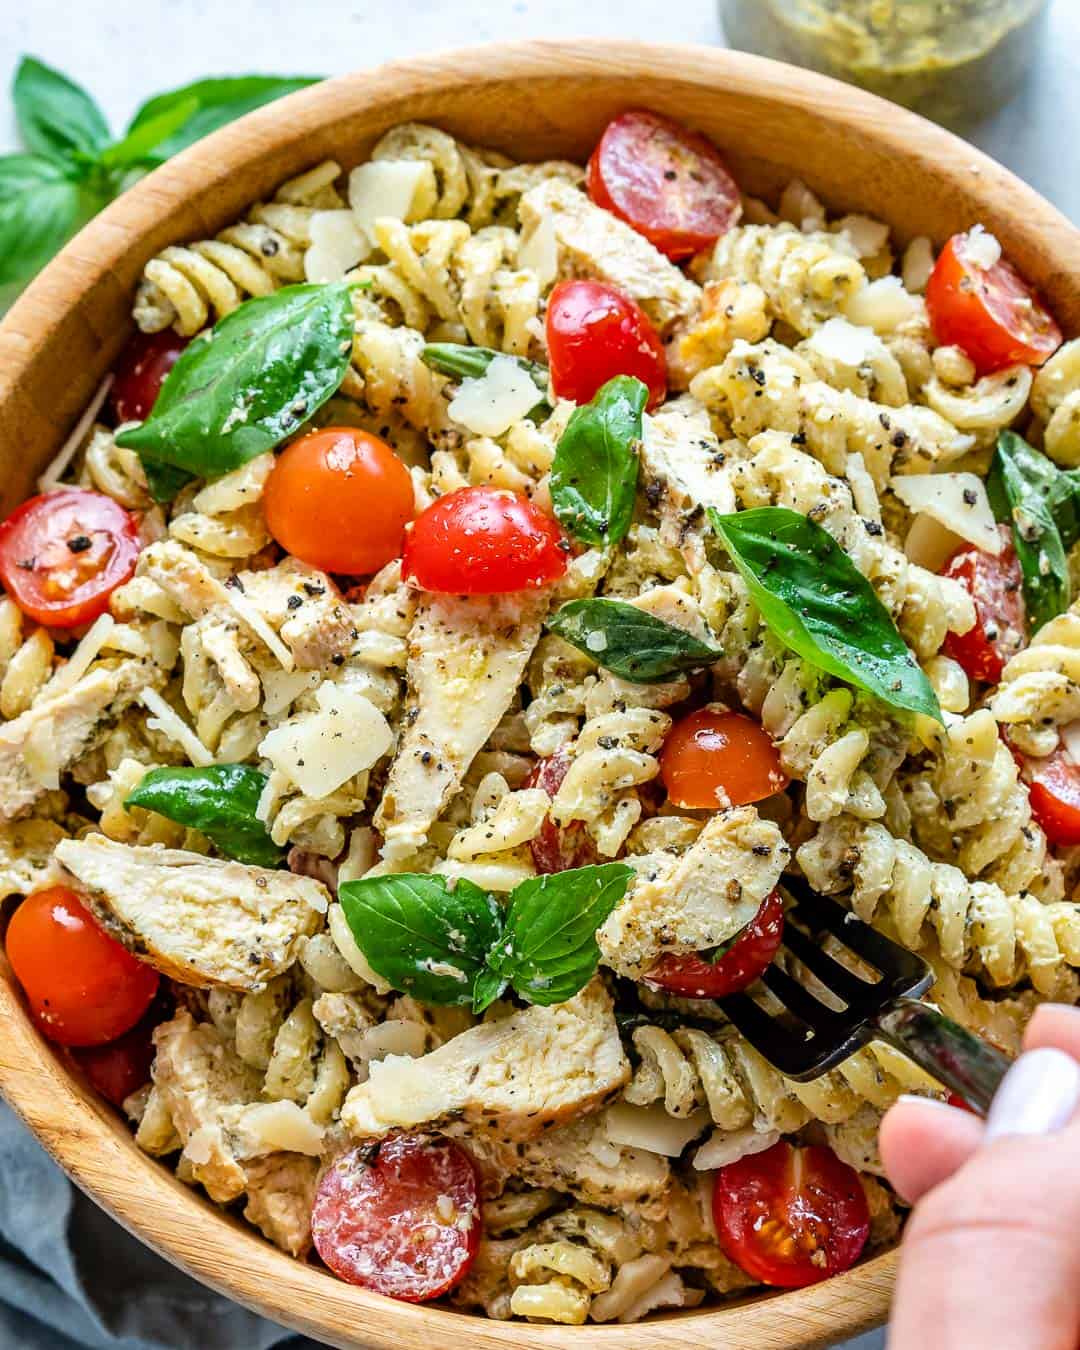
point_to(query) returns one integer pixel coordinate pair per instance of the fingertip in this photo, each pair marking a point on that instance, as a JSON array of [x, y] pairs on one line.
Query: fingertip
[[1055, 1025], [923, 1141]]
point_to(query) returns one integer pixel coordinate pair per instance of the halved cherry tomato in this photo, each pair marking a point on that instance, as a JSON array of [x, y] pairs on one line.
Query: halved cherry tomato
[[483, 541], [791, 1216], [140, 372], [406, 1224], [665, 180], [595, 332], [121, 1067], [82, 986], [339, 499], [1054, 792], [558, 847], [995, 584], [991, 313], [750, 953], [64, 553], [713, 758]]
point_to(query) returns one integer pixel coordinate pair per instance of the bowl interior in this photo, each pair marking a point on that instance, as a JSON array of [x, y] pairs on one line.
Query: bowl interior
[[532, 100]]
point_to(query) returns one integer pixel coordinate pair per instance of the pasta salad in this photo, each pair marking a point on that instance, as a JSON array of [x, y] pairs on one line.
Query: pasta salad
[[475, 586]]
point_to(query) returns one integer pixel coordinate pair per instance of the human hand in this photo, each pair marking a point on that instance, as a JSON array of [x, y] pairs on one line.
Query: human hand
[[991, 1255]]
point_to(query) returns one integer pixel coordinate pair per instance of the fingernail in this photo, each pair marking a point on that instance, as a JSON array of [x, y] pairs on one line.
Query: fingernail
[[1037, 1096], [923, 1101]]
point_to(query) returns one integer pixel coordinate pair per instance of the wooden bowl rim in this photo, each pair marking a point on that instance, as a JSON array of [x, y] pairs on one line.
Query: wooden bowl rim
[[84, 1136]]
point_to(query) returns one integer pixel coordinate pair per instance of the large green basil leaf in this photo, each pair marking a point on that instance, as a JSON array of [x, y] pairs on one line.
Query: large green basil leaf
[[595, 470], [629, 642], [816, 601], [56, 116], [424, 935], [136, 146], [41, 206], [220, 800], [1041, 504], [255, 379], [548, 950]]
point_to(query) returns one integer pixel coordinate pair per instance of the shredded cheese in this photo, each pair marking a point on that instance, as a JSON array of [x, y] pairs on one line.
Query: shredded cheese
[[982, 248], [246, 611], [956, 500], [171, 724], [58, 465], [320, 751], [81, 658]]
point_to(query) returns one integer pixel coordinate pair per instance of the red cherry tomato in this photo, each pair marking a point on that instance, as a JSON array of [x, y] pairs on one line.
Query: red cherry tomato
[[1054, 792], [483, 541], [750, 953], [712, 759], [558, 847], [666, 181], [995, 585], [140, 372], [120, 1068], [406, 1224], [64, 553], [990, 312], [791, 1216], [82, 986], [594, 333], [339, 499]]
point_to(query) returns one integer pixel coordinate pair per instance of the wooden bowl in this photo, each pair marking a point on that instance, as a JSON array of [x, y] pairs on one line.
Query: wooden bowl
[[532, 100]]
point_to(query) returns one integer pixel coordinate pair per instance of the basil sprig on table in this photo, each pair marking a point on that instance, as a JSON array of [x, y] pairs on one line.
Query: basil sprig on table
[[450, 942], [595, 470], [220, 800], [75, 166], [240, 389], [816, 601], [1042, 505], [628, 641]]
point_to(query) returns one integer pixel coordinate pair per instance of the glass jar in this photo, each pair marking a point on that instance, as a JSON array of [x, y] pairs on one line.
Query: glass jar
[[953, 60]]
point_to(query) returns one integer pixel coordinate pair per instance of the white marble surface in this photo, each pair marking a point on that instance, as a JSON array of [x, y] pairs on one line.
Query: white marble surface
[[126, 50]]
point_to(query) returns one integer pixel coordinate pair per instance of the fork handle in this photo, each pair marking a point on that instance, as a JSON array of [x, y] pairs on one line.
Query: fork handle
[[964, 1062]]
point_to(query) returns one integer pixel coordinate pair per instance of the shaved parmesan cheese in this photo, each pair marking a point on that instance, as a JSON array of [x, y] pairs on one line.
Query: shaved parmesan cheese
[[868, 237], [929, 544], [499, 398], [171, 724], [57, 466], [918, 264], [397, 1038], [267, 1127], [728, 1146], [281, 688], [81, 658], [652, 1129], [842, 341], [982, 248], [402, 188], [321, 750], [539, 252], [337, 245], [884, 305], [956, 500]]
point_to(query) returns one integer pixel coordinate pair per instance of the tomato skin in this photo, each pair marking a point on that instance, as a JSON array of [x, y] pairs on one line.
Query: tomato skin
[[1054, 793], [996, 586], [992, 313], [595, 332], [83, 987], [751, 953], [121, 1067], [339, 499], [140, 372], [483, 541], [379, 1224], [55, 583], [668, 182], [713, 759], [558, 847], [775, 1211]]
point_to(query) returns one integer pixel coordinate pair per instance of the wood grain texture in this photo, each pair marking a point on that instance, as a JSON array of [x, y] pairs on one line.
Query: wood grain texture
[[530, 100]]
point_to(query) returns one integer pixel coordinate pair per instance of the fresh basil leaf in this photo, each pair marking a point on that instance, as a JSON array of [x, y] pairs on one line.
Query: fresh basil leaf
[[258, 376], [163, 480], [220, 800], [463, 362], [629, 642], [487, 987], [714, 954], [1029, 492], [548, 950], [141, 140], [424, 935], [815, 600], [595, 470], [217, 102], [41, 206], [56, 116]]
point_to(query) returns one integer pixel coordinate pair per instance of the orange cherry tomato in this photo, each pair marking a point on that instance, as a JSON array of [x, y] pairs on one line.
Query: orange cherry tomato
[[558, 847], [991, 313], [713, 759], [751, 952], [64, 553], [83, 987], [140, 372], [666, 181], [996, 586], [594, 333], [483, 541], [339, 499], [791, 1216]]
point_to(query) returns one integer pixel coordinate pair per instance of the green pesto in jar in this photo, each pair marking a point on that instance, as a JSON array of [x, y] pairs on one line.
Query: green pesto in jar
[[952, 60]]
